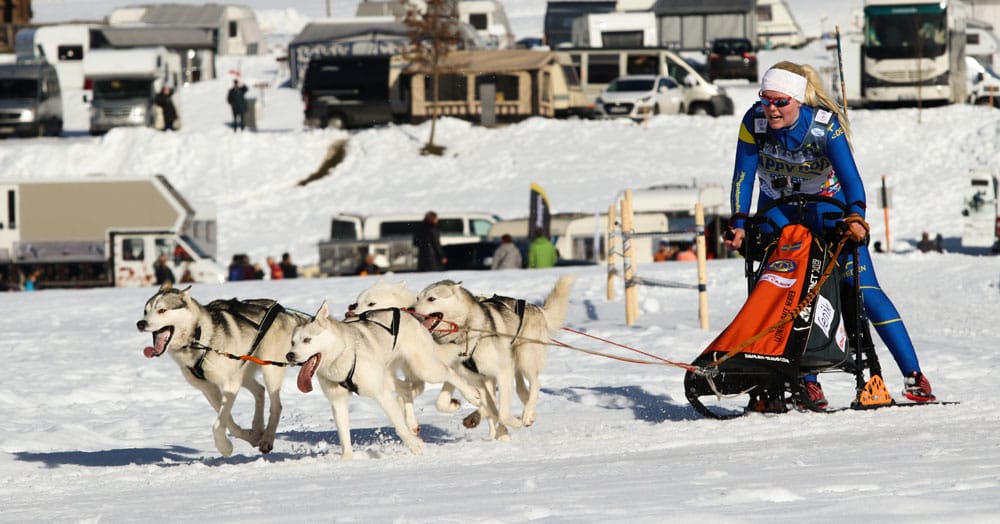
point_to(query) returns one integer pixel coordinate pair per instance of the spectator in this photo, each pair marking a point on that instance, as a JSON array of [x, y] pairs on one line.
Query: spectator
[[240, 268], [507, 255], [687, 255], [288, 269], [238, 102], [165, 102], [164, 275], [541, 252], [274, 268], [927, 245], [31, 283], [368, 266], [427, 238], [258, 272], [664, 253]]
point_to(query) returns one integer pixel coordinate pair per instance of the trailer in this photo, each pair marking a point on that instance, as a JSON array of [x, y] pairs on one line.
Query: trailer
[[981, 225], [100, 232]]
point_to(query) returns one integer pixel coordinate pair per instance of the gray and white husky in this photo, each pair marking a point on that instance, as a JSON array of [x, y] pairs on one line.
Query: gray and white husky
[[504, 342], [362, 355], [201, 338]]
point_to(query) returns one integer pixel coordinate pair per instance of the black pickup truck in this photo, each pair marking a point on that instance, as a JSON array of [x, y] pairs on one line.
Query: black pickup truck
[[347, 91]]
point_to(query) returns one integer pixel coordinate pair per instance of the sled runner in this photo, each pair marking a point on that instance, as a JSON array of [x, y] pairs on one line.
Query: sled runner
[[798, 320]]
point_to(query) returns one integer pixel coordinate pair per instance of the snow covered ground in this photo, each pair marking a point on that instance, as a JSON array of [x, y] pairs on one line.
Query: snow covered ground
[[92, 431]]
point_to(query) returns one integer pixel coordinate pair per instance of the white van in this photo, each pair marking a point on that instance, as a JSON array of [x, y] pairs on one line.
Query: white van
[[598, 67]]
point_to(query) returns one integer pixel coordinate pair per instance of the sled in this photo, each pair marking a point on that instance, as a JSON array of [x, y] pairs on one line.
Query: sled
[[799, 319]]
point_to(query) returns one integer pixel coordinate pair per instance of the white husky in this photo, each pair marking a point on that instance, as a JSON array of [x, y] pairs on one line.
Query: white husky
[[504, 341], [199, 338], [361, 356]]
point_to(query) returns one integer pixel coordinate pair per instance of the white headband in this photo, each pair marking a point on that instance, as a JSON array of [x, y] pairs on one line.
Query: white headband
[[786, 82]]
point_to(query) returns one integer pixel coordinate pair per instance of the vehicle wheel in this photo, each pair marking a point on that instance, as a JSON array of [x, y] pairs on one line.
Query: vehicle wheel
[[699, 109], [335, 121]]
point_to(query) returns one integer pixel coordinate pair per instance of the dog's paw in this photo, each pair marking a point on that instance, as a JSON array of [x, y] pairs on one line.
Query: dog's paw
[[450, 406], [225, 447], [416, 446], [347, 455], [266, 447], [472, 420]]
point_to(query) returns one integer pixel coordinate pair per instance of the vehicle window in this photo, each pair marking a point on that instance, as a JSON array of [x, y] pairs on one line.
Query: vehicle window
[[451, 87], [120, 89], [343, 230], [642, 64], [70, 52], [602, 69], [165, 246], [402, 228], [451, 226], [480, 227], [132, 249], [11, 88], [626, 39], [478, 21], [571, 74]]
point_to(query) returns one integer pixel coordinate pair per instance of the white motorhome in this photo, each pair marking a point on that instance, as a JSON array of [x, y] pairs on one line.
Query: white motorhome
[[65, 46], [615, 30], [490, 21], [776, 26], [100, 232], [235, 27], [124, 82], [982, 43], [981, 226]]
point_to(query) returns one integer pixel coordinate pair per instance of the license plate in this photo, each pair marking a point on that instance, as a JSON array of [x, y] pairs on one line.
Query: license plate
[[617, 109], [6, 130]]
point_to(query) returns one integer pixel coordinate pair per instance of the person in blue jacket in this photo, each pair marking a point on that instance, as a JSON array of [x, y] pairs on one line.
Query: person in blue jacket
[[795, 139]]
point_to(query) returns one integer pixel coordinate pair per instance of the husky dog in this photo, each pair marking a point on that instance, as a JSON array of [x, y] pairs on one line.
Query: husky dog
[[362, 356], [383, 295], [503, 341], [200, 338]]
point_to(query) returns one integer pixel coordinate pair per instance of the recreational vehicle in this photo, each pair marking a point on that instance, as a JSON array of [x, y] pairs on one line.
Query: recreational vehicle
[[235, 27], [776, 26], [489, 20], [525, 83], [100, 232], [64, 46], [560, 14], [982, 43], [124, 82], [914, 52], [30, 99], [981, 226], [615, 30]]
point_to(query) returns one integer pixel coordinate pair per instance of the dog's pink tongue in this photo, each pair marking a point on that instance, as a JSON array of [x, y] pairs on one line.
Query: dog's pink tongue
[[307, 372], [160, 339]]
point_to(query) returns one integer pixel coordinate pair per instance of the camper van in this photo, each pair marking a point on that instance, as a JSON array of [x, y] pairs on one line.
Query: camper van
[[560, 14], [124, 82], [981, 224], [615, 30], [30, 99], [64, 46], [776, 26], [598, 67], [489, 20]]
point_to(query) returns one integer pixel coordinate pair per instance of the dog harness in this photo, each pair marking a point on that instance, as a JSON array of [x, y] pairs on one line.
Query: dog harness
[[265, 324], [517, 305]]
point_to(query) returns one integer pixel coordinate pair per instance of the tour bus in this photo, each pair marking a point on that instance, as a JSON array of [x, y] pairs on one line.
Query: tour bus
[[914, 52]]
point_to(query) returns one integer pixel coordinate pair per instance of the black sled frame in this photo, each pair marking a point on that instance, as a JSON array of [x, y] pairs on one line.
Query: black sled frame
[[770, 389]]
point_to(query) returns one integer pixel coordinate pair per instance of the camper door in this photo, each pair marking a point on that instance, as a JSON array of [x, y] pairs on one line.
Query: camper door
[[135, 253], [8, 220]]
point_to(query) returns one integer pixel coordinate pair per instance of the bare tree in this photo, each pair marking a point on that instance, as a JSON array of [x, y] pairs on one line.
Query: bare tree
[[433, 33]]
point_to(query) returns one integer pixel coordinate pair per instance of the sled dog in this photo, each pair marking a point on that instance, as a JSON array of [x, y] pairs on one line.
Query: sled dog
[[503, 341], [362, 356], [198, 337]]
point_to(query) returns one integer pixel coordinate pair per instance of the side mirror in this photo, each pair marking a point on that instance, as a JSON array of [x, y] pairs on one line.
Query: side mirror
[[979, 77]]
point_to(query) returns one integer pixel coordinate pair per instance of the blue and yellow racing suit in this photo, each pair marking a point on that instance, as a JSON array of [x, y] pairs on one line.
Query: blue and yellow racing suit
[[813, 156]]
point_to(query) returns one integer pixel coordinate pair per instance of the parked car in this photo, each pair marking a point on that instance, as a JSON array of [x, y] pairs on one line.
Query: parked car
[[732, 58], [638, 96]]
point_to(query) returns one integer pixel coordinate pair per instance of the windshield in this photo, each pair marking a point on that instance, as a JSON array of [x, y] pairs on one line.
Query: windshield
[[631, 84], [123, 89], [18, 88], [905, 32]]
